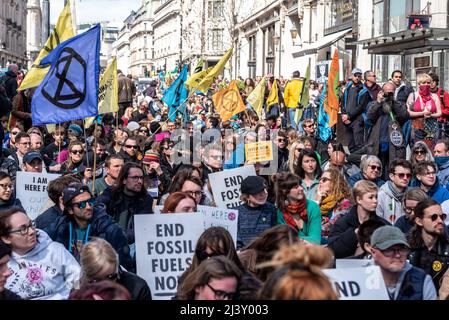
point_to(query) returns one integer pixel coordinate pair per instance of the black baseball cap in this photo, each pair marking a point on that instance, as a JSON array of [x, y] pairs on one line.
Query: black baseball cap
[[253, 185], [72, 190]]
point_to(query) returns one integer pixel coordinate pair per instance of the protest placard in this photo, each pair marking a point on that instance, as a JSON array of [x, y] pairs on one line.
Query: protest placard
[[352, 263], [31, 189], [165, 244], [358, 283], [226, 185], [259, 151]]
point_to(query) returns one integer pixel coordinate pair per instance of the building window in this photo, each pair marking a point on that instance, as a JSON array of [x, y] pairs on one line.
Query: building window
[[216, 39], [145, 41], [378, 18], [215, 8], [399, 10]]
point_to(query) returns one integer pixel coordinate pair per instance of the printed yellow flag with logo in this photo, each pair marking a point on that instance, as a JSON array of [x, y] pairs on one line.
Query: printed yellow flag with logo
[[193, 81], [62, 31], [228, 101], [107, 92], [273, 97], [204, 85], [256, 97]]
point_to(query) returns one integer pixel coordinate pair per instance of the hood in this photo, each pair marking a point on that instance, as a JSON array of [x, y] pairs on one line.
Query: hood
[[385, 188], [101, 219], [442, 162], [43, 241]]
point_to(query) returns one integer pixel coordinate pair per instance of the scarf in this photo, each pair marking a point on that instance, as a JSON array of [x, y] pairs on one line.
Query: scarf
[[291, 209], [329, 203], [424, 92], [396, 194]]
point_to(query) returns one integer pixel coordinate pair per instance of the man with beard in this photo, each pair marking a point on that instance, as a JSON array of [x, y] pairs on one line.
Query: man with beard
[[113, 165], [389, 249], [130, 150], [428, 240], [82, 220]]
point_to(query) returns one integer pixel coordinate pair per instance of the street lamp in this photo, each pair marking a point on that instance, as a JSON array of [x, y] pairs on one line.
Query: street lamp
[[294, 34]]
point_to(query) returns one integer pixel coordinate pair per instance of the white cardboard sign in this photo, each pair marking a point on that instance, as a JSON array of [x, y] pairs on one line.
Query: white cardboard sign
[[352, 263]]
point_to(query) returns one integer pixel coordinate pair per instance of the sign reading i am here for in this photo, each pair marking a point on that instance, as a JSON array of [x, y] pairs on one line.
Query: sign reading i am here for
[[358, 283], [216, 217], [31, 189], [259, 151], [165, 244], [226, 185]]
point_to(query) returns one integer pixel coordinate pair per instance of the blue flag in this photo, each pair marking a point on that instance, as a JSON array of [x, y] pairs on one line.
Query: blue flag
[[69, 91], [324, 130], [176, 95]]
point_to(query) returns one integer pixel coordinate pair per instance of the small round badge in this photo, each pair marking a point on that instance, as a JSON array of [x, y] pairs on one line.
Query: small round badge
[[436, 266]]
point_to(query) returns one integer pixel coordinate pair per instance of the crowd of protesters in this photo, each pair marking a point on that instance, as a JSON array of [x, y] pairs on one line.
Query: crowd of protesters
[[378, 189]]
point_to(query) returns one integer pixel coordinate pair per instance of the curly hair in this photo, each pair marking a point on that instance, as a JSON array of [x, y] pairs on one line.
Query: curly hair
[[339, 184]]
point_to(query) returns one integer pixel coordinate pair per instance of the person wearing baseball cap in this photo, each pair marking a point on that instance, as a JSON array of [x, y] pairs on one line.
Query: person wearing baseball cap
[[32, 162], [82, 220], [389, 249], [5, 253], [255, 214]]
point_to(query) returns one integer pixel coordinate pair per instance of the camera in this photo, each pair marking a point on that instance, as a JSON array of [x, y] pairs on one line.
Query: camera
[[389, 96]]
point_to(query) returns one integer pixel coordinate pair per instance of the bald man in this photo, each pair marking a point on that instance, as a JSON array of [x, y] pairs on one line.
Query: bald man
[[9, 81]]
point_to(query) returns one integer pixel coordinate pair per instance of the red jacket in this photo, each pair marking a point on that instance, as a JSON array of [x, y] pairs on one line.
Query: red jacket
[[444, 99]]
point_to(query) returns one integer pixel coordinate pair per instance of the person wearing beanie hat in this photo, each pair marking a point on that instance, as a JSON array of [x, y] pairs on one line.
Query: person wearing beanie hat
[[256, 214], [389, 249], [5, 273], [74, 132], [155, 180]]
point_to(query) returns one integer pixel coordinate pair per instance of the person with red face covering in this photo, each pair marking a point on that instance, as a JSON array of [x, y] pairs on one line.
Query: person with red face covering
[[424, 108]]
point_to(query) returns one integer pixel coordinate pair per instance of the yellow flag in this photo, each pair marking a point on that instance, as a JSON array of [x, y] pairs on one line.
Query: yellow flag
[[228, 101], [193, 81], [273, 96], [204, 85], [107, 92], [256, 97], [62, 32]]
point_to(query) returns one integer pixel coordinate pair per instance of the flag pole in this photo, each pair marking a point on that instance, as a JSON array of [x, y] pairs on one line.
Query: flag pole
[[94, 169]]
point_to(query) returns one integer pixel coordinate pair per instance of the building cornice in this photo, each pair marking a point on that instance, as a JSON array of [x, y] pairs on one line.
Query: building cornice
[[165, 17]]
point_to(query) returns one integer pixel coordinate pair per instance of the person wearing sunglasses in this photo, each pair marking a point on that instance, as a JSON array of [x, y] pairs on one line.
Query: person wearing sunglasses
[[370, 170], [130, 150], [167, 151], [392, 192], [75, 159], [426, 179], [420, 152], [429, 241], [412, 197], [389, 249], [41, 268], [82, 220]]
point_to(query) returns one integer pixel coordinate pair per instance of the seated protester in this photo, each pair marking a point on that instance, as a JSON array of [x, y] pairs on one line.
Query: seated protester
[[295, 209], [101, 290], [370, 169], [389, 249], [256, 214], [262, 249], [7, 195], [53, 149], [127, 198], [338, 161], [334, 199], [309, 171], [99, 261], [410, 200], [82, 220], [120, 136], [392, 192], [23, 144], [113, 165], [294, 151], [85, 172], [130, 150], [191, 185], [75, 158], [426, 179], [364, 234], [343, 235], [5, 273], [8, 166], [54, 190], [156, 182], [33, 162], [100, 151], [429, 241], [167, 151], [179, 202], [33, 252], [441, 154], [420, 152], [281, 143]]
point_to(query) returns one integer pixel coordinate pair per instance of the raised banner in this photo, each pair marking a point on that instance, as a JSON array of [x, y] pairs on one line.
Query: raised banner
[[358, 283], [259, 151], [226, 185], [31, 190]]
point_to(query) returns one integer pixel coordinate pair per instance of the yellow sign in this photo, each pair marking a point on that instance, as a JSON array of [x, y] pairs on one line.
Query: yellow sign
[[259, 151], [437, 266]]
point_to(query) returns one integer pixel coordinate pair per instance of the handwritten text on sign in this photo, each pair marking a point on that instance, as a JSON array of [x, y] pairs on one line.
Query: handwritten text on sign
[[259, 151]]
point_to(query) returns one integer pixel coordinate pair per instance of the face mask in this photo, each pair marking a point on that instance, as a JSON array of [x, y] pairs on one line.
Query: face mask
[[424, 89]]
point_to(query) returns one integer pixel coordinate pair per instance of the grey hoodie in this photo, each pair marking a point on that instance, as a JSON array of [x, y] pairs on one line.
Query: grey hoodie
[[47, 272], [388, 207]]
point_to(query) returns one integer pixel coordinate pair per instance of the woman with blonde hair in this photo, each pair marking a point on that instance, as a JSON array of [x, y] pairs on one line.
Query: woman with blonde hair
[[127, 116], [99, 261], [292, 164], [424, 108], [75, 159], [299, 275]]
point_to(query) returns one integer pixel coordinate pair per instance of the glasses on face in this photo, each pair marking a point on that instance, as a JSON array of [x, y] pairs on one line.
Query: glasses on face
[[83, 204], [112, 277], [435, 216], [14, 132], [136, 178], [391, 252], [25, 143], [324, 179], [308, 126], [23, 231], [5, 186], [130, 146], [221, 295], [419, 152], [143, 130], [170, 147], [194, 193], [430, 173], [403, 175], [203, 255], [77, 151], [281, 140], [409, 210], [374, 167]]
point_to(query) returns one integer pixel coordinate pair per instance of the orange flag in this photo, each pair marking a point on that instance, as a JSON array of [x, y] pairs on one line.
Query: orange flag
[[332, 104], [228, 101]]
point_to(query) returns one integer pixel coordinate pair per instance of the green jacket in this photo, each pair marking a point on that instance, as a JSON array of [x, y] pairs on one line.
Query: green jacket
[[311, 230]]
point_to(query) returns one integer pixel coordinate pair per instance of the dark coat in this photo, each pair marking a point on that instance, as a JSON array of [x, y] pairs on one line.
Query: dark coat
[[137, 287], [359, 176], [10, 83], [47, 217], [13, 201], [102, 226], [342, 237]]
